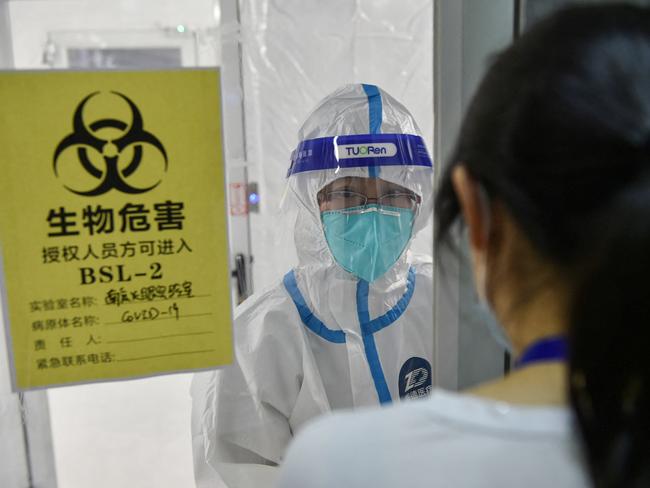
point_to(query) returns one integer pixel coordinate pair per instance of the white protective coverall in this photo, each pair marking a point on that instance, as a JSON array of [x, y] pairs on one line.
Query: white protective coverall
[[323, 339]]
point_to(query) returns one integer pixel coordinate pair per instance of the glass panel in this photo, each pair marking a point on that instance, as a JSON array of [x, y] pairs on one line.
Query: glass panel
[[125, 433], [316, 75], [276, 70]]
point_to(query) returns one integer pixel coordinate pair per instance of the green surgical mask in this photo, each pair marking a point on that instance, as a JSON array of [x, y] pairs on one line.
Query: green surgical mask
[[367, 241]]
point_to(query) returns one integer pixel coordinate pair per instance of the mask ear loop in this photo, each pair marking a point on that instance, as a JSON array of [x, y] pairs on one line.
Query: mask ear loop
[[486, 210], [486, 218], [496, 330]]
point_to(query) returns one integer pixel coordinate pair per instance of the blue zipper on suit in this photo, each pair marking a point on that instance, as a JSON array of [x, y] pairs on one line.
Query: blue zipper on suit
[[368, 327]]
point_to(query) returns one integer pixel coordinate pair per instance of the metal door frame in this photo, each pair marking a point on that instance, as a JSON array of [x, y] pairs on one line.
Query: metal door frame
[[466, 33]]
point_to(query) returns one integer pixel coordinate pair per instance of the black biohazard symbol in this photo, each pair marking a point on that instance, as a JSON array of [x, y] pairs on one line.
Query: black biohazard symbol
[[85, 139]]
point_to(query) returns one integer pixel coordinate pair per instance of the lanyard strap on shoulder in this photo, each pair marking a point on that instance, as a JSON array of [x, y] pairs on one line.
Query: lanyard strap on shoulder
[[547, 349]]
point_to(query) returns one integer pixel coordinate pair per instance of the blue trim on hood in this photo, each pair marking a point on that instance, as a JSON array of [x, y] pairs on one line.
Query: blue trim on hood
[[375, 114], [306, 315]]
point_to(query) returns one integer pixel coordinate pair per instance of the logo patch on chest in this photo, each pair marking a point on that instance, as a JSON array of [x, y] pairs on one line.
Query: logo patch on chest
[[415, 378]]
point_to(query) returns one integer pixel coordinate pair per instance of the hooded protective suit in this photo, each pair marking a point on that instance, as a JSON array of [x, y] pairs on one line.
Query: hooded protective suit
[[323, 338]]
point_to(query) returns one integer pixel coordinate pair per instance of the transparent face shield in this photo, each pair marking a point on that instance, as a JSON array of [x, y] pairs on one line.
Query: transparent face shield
[[365, 192]]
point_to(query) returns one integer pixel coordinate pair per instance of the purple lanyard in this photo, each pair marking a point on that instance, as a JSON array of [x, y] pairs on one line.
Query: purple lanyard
[[548, 349]]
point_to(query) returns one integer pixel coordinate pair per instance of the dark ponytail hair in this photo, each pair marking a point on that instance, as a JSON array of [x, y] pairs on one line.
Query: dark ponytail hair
[[610, 345], [559, 133]]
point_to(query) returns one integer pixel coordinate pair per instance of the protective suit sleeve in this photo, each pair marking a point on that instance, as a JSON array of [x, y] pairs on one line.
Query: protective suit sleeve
[[224, 433], [244, 414]]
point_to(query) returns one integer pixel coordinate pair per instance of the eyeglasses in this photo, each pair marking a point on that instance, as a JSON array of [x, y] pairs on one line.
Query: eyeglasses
[[342, 199]]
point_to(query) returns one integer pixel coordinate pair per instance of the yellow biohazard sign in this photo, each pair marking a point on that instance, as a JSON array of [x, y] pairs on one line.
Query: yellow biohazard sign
[[113, 224]]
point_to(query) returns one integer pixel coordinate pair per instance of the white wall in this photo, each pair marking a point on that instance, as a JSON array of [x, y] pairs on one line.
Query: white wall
[[33, 20], [123, 434]]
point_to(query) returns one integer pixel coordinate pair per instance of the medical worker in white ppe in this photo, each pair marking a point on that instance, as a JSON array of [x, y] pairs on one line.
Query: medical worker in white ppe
[[351, 325]]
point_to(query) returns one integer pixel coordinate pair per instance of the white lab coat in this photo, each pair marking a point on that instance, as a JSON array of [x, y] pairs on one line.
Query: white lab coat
[[289, 371]]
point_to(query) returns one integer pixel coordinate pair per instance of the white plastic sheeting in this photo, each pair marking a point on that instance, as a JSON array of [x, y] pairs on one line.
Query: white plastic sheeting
[[297, 51]]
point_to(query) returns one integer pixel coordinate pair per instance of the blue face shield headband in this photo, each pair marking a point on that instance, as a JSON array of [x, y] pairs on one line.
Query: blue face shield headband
[[357, 151]]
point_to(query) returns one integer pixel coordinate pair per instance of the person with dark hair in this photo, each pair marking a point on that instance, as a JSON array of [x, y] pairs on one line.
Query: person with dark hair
[[551, 178]]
